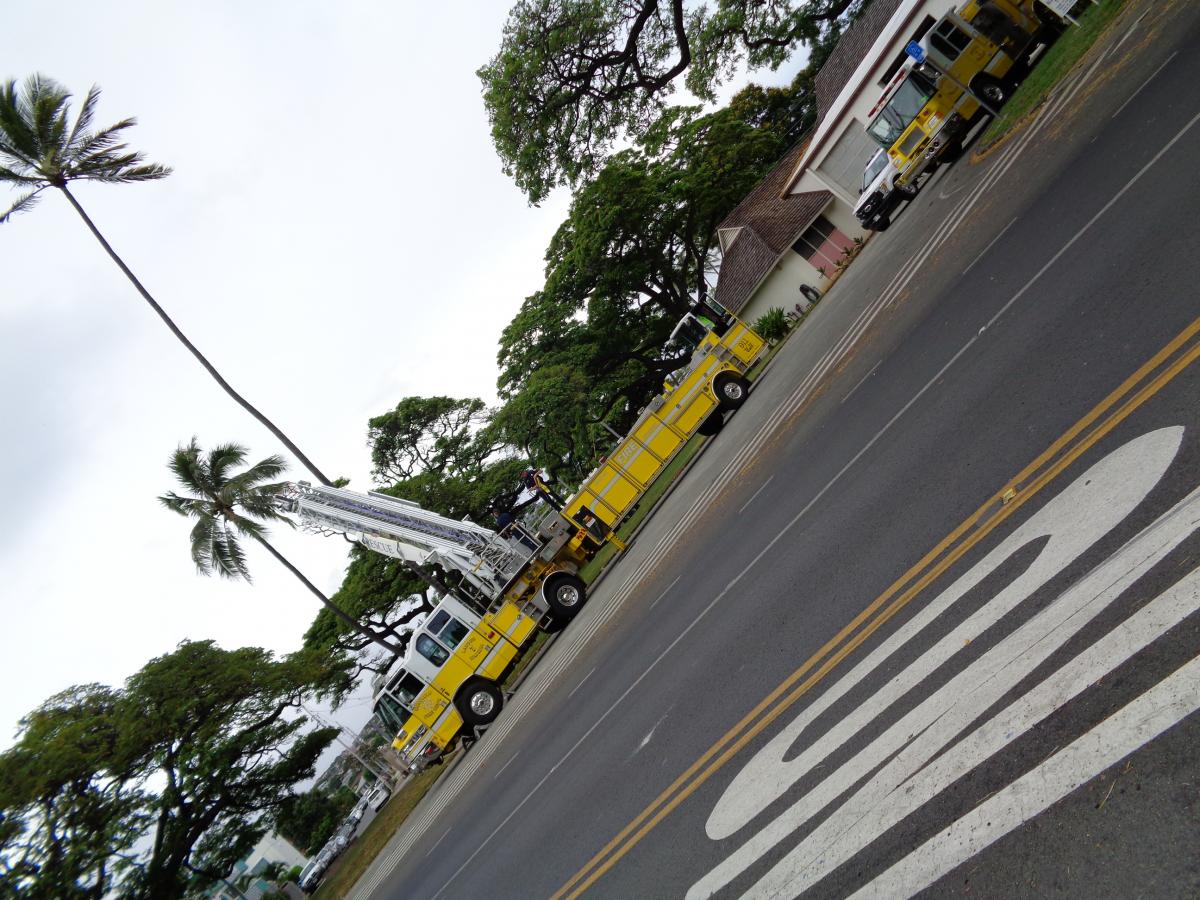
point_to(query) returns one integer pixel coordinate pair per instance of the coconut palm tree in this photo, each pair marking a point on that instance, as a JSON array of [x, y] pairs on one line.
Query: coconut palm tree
[[41, 148], [228, 505]]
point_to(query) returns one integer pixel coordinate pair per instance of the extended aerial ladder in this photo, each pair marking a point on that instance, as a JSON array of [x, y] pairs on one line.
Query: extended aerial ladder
[[511, 564]]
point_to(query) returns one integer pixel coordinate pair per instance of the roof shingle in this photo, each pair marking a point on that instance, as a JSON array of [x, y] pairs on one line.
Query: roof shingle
[[850, 51]]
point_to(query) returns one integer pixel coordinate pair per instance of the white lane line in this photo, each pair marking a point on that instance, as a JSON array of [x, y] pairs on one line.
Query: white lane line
[[991, 243], [1144, 83], [667, 591], [754, 495], [1167, 703], [506, 765], [861, 382], [438, 841], [578, 686]]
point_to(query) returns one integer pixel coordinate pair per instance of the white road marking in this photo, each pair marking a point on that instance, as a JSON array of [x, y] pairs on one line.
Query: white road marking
[[644, 742], [667, 591], [578, 686], [991, 243], [1091, 506], [861, 382], [506, 765], [762, 488], [438, 841], [910, 771], [1144, 83], [1167, 703]]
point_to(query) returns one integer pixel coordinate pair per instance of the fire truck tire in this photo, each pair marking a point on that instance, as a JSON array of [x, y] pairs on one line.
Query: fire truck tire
[[712, 426], [731, 390], [565, 594], [990, 88], [479, 701]]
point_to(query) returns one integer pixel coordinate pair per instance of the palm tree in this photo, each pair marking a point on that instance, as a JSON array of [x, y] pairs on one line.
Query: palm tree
[[228, 505], [40, 148]]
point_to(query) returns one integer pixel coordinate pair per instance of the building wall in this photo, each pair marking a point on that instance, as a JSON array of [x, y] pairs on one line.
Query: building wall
[[782, 287], [274, 848], [856, 114]]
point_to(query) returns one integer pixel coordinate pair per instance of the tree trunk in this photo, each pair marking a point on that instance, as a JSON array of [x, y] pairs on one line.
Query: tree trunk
[[238, 398], [349, 620]]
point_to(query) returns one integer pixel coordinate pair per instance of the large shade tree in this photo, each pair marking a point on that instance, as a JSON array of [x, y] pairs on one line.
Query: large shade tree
[[42, 148], [192, 753], [638, 249], [228, 503], [572, 77]]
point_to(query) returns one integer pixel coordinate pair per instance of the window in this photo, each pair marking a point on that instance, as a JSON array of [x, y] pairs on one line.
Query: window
[[448, 629], [822, 244], [453, 633], [896, 64], [949, 40], [405, 686], [391, 712], [877, 164], [432, 650], [910, 97], [809, 244]]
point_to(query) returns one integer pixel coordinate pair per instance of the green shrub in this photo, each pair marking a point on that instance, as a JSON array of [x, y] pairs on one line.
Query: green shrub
[[772, 325]]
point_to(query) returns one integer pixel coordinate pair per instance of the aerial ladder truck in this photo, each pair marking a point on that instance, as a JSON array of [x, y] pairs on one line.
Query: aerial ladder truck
[[522, 577]]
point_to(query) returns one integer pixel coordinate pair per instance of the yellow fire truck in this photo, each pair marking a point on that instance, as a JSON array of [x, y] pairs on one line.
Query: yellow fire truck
[[521, 577], [970, 54]]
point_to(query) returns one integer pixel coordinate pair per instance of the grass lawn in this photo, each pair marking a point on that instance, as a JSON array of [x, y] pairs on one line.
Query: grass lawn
[[362, 852], [1054, 64]]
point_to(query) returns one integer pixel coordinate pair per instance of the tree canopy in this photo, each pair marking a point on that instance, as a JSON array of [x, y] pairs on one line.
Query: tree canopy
[[572, 77], [637, 250], [195, 748]]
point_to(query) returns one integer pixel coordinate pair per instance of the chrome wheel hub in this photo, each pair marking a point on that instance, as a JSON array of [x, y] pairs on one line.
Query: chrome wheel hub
[[482, 703]]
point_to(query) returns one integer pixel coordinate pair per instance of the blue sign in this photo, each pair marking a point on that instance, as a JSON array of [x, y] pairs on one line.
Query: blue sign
[[916, 51]]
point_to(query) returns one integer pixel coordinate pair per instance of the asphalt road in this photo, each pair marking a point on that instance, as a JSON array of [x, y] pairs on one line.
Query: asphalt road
[[924, 617]]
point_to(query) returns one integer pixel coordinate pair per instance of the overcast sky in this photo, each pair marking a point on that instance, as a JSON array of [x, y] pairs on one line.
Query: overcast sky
[[337, 235]]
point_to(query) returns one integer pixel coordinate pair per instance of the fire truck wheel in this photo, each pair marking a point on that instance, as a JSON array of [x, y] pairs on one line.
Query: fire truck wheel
[[989, 88], [479, 702], [731, 390], [564, 594], [712, 426]]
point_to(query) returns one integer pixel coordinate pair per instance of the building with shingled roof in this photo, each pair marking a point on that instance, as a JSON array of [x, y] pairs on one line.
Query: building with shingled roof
[[791, 230]]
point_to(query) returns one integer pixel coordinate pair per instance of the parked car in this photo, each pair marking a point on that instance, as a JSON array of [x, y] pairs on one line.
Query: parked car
[[378, 797], [310, 875], [880, 194]]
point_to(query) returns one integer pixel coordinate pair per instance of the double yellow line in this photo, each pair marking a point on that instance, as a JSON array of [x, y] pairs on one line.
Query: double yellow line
[[1148, 380]]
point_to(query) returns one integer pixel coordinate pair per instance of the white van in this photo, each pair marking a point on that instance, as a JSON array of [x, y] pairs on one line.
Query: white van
[[378, 797]]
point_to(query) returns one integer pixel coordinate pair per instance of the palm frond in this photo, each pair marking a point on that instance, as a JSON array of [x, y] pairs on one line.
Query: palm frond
[[19, 138], [221, 458], [263, 470], [45, 101], [23, 204], [105, 140], [13, 177], [228, 559], [14, 156], [189, 507], [201, 542], [83, 121]]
